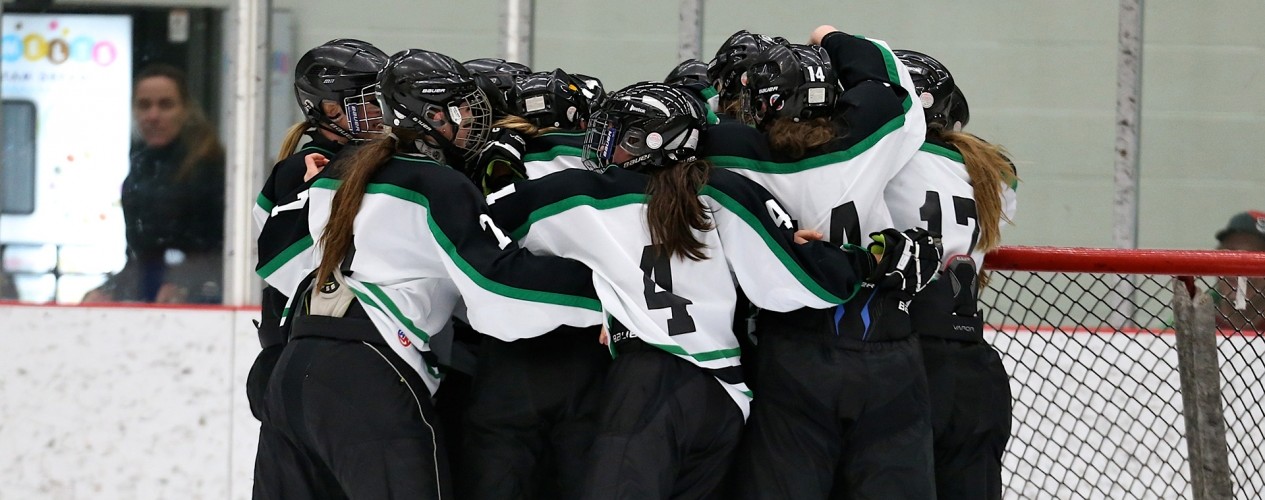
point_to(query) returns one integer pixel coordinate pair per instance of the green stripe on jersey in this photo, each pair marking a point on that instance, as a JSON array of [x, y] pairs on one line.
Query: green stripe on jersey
[[317, 149], [388, 306], [461, 263], [565, 204], [282, 258], [327, 183], [889, 60], [733, 205], [771, 167], [264, 203], [700, 356], [554, 152], [782, 256], [938, 150]]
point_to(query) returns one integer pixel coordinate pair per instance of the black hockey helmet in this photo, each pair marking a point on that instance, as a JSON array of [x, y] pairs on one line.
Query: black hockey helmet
[[690, 74], [592, 89], [793, 81], [430, 93], [343, 71], [496, 77], [731, 61], [551, 99], [959, 112], [936, 89], [655, 124]]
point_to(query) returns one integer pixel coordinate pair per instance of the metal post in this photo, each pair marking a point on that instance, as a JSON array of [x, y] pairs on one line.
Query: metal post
[[248, 49], [1128, 130], [2, 146], [1200, 366], [516, 30], [690, 33]]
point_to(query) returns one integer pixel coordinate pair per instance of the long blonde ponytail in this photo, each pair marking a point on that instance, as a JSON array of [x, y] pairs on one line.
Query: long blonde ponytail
[[291, 142], [990, 171]]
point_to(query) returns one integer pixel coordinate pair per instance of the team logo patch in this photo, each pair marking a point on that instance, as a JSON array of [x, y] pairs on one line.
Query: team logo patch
[[330, 286], [404, 341], [654, 140]]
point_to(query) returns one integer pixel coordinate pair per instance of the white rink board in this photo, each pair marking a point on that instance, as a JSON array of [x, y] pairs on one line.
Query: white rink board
[[125, 403], [139, 403]]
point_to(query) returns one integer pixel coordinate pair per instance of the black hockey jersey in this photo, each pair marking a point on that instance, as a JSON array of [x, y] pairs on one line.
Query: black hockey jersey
[[280, 227]]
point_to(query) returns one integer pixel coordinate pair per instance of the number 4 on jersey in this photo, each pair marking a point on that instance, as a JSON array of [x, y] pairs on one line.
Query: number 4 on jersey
[[657, 268]]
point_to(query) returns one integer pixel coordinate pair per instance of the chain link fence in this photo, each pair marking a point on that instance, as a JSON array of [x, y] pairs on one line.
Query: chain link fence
[[1096, 386]]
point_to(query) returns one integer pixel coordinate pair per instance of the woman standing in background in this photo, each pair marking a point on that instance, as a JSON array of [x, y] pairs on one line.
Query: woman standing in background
[[172, 198]]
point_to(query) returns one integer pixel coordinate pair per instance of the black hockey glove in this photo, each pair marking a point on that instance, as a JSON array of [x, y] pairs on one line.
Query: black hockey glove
[[501, 161], [908, 260]]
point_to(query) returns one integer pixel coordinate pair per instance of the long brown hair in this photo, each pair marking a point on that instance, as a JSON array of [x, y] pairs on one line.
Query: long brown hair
[[197, 134], [731, 107], [291, 142], [674, 210], [794, 139], [990, 171], [522, 126], [336, 238]]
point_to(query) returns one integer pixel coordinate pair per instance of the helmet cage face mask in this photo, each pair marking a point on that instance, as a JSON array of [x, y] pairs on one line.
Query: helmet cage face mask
[[337, 71], [600, 140], [364, 116], [655, 128], [451, 110]]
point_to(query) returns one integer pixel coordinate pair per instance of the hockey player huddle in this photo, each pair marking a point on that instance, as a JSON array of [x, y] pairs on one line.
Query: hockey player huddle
[[754, 279]]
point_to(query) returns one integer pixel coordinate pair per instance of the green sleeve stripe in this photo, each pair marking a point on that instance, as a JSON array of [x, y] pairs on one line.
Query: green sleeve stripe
[[503, 289], [462, 264], [327, 183], [394, 191], [700, 356], [785, 258], [264, 203], [928, 147], [565, 204], [281, 259], [769, 167], [420, 159], [889, 60], [569, 133], [390, 308], [554, 152], [317, 149]]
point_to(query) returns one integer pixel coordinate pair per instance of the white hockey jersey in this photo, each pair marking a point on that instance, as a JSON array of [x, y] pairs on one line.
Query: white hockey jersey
[[423, 238], [682, 306], [837, 189], [553, 152], [934, 192]]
